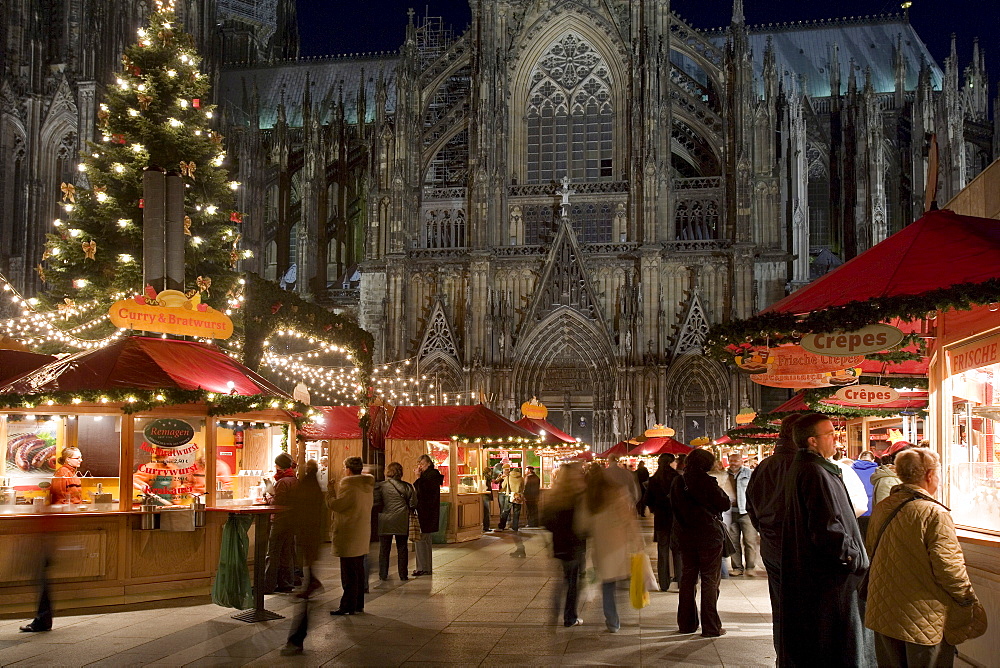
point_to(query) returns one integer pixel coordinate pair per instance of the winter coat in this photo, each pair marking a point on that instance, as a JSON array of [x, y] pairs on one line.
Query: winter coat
[[285, 483], [352, 512], [742, 481], [658, 498], [307, 510], [624, 479], [428, 488], [823, 560], [865, 469], [396, 498], [567, 544], [883, 480], [613, 535], [532, 488], [513, 483], [697, 502], [766, 498], [918, 582]]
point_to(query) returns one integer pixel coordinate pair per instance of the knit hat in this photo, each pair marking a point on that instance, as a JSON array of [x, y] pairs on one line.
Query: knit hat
[[283, 461]]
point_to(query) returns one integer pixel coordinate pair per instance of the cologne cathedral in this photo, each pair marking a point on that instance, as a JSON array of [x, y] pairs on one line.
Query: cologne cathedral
[[557, 201]]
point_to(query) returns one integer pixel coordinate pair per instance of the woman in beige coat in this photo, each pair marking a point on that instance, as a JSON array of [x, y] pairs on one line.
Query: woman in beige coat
[[352, 510], [920, 601], [513, 487]]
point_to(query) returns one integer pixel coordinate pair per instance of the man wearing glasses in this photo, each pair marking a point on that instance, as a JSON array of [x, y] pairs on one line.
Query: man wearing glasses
[[823, 558]]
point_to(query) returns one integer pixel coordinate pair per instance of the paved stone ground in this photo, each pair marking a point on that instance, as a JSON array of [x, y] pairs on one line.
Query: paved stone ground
[[482, 607]]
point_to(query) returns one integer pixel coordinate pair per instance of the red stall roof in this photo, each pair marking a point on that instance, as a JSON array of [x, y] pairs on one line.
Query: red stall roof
[[620, 448], [145, 363], [796, 403], [937, 251], [537, 425], [660, 445], [338, 422], [14, 363], [440, 423]]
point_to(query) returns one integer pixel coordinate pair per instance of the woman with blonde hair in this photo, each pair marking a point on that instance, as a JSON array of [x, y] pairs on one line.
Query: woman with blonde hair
[[920, 600]]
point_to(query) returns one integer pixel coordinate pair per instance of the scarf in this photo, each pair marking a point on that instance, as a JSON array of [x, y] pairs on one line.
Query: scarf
[[284, 473]]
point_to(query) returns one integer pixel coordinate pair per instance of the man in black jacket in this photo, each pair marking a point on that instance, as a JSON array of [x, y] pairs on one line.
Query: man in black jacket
[[823, 558], [766, 507], [428, 486], [658, 501], [532, 492]]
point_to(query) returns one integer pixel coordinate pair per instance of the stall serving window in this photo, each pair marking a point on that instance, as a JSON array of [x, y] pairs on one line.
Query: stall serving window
[[463, 470], [68, 460], [245, 453], [169, 460], [972, 391]]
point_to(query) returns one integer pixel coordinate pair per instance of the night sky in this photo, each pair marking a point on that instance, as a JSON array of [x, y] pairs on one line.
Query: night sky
[[378, 25]]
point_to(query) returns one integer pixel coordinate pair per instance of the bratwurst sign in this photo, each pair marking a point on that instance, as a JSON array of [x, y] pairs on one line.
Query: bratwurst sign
[[167, 315], [870, 339]]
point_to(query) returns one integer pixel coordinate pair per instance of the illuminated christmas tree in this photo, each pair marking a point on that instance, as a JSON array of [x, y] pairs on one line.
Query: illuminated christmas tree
[[154, 116]]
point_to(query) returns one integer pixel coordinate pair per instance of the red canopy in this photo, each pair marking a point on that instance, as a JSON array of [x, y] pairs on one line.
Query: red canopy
[[660, 445], [620, 448], [14, 363], [144, 363], [937, 251], [537, 425], [440, 423], [795, 404], [338, 422]]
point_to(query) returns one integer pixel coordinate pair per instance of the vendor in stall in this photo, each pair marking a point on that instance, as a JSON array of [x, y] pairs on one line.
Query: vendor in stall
[[66, 484]]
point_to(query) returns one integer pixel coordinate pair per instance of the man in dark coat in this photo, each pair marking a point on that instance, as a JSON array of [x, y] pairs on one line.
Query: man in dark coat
[[532, 491], [658, 500], [641, 481], [428, 486], [823, 558], [766, 507]]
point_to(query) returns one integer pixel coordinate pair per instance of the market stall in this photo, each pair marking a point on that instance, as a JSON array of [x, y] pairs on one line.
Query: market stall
[[164, 428], [555, 444], [456, 438], [952, 316]]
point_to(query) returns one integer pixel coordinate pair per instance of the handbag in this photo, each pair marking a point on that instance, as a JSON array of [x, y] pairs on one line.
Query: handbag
[[518, 498], [728, 546], [414, 527]]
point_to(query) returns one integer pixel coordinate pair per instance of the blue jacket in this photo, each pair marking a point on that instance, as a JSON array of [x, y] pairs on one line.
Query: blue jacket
[[864, 470], [742, 480]]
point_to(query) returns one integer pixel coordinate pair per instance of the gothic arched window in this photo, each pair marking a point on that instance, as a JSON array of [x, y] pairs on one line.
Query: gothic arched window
[[569, 115]]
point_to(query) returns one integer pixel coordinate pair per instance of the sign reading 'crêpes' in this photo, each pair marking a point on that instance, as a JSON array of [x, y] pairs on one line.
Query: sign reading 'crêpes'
[[867, 395], [870, 339]]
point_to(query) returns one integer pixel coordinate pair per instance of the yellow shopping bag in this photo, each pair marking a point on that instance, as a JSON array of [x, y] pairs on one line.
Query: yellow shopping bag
[[637, 593]]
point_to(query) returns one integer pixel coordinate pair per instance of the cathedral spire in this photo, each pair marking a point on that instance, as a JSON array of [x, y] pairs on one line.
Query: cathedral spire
[[738, 18]]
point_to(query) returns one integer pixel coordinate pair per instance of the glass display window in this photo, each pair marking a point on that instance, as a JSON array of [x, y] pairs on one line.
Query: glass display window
[[244, 463], [169, 460], [67, 460], [468, 469], [972, 452], [440, 454]]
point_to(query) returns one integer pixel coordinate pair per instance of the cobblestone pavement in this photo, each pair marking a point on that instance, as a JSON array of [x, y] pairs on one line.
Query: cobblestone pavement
[[482, 607]]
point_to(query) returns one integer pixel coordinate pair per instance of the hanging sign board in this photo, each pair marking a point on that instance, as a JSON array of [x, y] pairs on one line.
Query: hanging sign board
[[983, 352], [870, 339], [867, 395], [794, 359], [755, 360], [171, 312], [801, 381]]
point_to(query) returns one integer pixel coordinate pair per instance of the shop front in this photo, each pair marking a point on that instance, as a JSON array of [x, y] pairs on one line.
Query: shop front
[[126, 472]]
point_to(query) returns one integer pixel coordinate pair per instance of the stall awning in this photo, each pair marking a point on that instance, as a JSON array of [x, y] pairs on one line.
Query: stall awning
[[908, 401], [14, 363], [441, 423], [796, 404], [145, 363], [620, 448], [660, 445], [537, 425], [338, 422], [939, 250]]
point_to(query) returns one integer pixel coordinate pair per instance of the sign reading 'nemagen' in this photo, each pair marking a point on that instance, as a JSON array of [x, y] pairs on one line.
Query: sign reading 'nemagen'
[[867, 395], [869, 339]]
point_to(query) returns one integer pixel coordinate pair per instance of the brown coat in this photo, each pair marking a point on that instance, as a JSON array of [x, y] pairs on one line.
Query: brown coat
[[352, 511], [918, 584]]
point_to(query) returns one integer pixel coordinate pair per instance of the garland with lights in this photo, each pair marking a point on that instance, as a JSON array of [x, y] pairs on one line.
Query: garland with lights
[[156, 115], [134, 401], [779, 328]]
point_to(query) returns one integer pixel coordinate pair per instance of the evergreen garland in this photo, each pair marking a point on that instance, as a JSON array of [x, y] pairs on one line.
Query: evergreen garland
[[156, 116]]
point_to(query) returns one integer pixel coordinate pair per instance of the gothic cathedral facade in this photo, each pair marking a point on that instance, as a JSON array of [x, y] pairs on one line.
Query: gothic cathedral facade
[[560, 200]]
